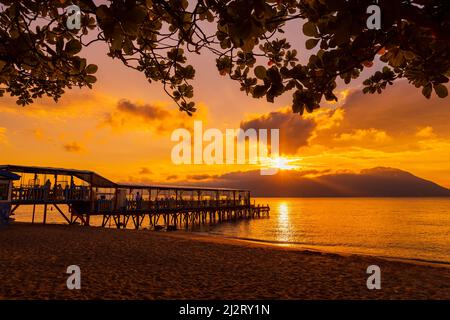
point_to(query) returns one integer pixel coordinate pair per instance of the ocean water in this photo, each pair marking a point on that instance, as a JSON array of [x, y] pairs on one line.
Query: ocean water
[[405, 228]]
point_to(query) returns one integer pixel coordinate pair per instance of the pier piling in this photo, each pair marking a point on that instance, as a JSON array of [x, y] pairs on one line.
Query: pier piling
[[87, 194]]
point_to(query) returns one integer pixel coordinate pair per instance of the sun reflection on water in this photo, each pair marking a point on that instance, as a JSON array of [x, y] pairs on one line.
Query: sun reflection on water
[[283, 222]]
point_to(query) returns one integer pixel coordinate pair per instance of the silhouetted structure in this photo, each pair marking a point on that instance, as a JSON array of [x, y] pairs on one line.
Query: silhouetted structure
[[6, 180], [88, 194]]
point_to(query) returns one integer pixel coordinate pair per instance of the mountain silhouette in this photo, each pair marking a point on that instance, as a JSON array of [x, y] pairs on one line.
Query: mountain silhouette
[[375, 182]]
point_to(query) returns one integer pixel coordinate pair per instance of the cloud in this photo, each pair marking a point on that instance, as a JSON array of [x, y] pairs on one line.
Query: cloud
[[297, 131], [426, 133], [312, 172], [74, 147], [136, 180], [172, 177], [146, 111], [399, 111], [132, 116], [397, 128], [145, 171], [294, 130], [76, 104], [326, 118], [200, 177], [100, 110], [394, 121], [365, 135]]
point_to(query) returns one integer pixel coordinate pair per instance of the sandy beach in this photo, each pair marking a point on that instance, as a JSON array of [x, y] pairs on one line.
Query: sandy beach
[[129, 264]]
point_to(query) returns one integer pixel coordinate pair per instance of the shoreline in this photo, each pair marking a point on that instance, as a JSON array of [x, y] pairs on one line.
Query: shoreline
[[135, 264], [323, 250]]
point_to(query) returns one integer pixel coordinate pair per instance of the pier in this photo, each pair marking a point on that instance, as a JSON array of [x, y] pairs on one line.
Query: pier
[[86, 194]]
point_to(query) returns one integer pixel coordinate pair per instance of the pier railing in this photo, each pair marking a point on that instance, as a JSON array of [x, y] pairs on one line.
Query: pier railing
[[145, 205], [40, 194], [86, 194]]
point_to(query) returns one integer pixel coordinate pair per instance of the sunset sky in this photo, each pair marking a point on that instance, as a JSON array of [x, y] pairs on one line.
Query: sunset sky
[[122, 127]]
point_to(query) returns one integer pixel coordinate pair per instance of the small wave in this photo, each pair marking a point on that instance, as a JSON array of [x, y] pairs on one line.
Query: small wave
[[323, 249]]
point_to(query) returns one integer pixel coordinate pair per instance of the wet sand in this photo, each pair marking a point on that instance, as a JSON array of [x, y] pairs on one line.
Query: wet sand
[[130, 264]]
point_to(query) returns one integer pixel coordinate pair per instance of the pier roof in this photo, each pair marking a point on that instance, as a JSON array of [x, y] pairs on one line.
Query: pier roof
[[91, 177], [97, 181], [8, 175]]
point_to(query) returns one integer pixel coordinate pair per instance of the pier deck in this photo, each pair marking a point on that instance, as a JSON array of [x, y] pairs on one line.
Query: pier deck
[[87, 194]]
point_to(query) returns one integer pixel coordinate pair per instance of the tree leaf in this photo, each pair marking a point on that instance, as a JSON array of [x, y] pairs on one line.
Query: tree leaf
[[310, 29], [92, 68], [260, 72], [90, 79], [441, 90], [311, 43], [73, 47], [426, 91], [259, 91]]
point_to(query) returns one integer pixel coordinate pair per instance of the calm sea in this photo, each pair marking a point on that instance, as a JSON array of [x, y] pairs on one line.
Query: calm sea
[[406, 228]]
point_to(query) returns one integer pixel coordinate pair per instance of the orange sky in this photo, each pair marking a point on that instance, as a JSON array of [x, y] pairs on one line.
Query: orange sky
[[122, 127]]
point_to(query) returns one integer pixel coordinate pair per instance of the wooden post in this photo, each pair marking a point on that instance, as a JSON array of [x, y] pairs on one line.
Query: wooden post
[[45, 213], [116, 195], [35, 195], [61, 212], [88, 216], [55, 188], [217, 199], [34, 211]]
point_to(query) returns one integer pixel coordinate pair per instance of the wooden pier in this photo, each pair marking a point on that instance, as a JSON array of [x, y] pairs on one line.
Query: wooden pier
[[86, 194]]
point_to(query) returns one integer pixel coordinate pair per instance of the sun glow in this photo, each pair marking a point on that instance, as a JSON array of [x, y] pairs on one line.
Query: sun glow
[[282, 163]]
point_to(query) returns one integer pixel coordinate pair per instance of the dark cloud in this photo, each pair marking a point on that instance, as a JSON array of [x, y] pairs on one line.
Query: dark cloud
[[73, 147], [400, 110], [145, 170], [312, 172], [200, 177], [394, 121], [134, 116], [145, 111], [294, 130], [172, 177]]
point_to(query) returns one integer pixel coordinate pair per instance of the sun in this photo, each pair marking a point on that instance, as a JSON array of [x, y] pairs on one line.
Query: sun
[[282, 163]]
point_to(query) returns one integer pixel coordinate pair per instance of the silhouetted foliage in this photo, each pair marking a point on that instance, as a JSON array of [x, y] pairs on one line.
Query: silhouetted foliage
[[40, 56]]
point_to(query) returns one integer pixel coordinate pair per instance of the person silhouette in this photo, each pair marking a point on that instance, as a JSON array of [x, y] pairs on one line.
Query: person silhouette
[[47, 187]]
